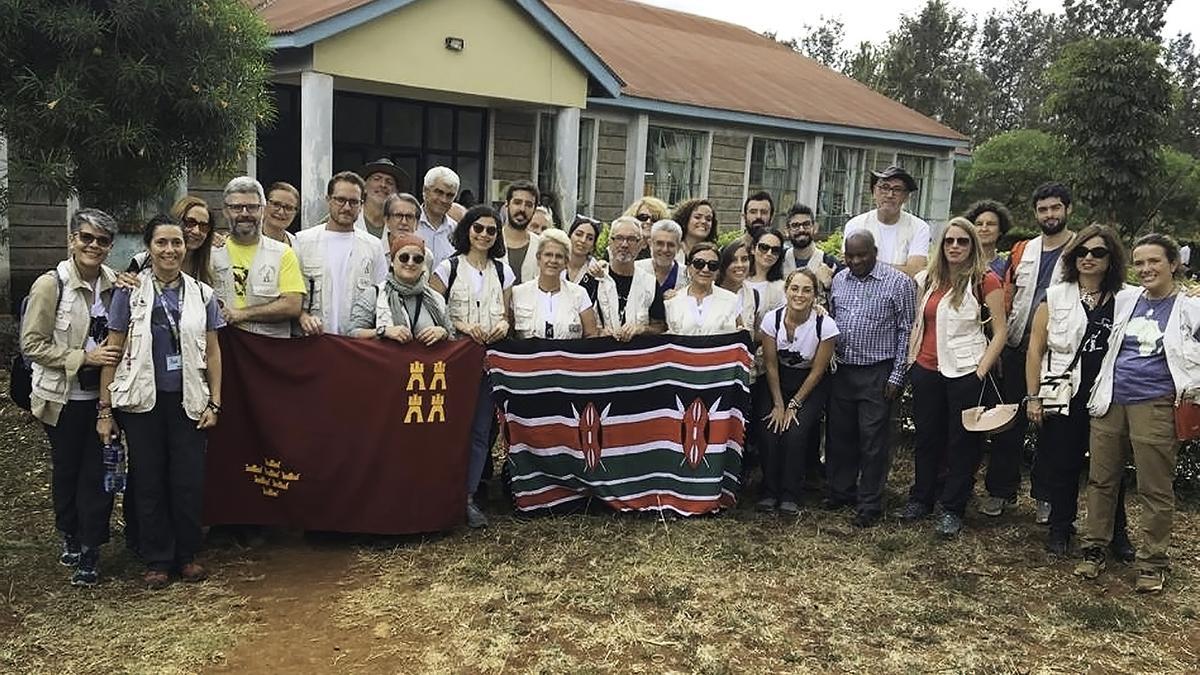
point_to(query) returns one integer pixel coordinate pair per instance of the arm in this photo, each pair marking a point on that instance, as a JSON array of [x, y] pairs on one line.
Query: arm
[[284, 308], [435, 282], [914, 264], [1033, 362], [905, 303], [781, 416], [362, 314], [208, 418], [37, 328], [588, 318], [995, 305], [819, 367], [105, 427]]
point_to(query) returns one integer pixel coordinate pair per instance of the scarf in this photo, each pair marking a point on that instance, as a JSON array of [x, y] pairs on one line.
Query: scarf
[[396, 292]]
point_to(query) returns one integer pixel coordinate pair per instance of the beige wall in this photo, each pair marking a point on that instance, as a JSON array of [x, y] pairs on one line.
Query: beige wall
[[506, 55], [727, 177], [610, 171]]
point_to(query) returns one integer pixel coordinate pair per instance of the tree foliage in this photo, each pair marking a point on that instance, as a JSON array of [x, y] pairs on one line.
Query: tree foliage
[[1008, 167], [1103, 19], [1183, 60], [110, 101], [1016, 47]]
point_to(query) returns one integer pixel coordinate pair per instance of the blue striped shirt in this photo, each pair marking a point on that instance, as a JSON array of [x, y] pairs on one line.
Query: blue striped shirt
[[875, 316]]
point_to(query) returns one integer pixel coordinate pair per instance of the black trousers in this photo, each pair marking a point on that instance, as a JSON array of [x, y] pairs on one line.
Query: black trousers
[[166, 451], [946, 455], [1003, 477], [858, 422], [81, 505], [785, 455], [1061, 458]]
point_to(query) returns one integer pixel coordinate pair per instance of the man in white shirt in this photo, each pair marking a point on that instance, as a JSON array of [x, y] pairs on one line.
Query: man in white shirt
[[901, 238], [382, 179], [435, 225]]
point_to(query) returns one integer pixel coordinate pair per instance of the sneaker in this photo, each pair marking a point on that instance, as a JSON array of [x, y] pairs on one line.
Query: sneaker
[[1092, 564], [1058, 542], [789, 509], [156, 580], [192, 573], [994, 506], [69, 557], [1150, 581], [475, 517], [949, 524], [866, 518], [1122, 549], [1043, 512], [913, 511], [87, 572], [835, 504], [765, 505]]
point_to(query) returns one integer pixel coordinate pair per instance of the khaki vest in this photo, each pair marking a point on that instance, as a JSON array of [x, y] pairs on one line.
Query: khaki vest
[[961, 341], [904, 234], [1065, 328], [637, 305], [529, 313], [312, 267], [262, 284], [720, 314], [462, 304], [133, 387], [1025, 279]]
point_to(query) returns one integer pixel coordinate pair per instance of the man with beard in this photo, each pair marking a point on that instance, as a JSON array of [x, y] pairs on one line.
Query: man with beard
[[802, 253], [337, 260], [257, 279], [382, 178], [627, 291], [436, 224], [757, 212], [901, 237], [1033, 267], [520, 202]]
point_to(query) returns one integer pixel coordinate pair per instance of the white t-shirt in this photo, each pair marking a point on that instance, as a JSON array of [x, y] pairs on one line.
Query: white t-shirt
[[698, 307], [886, 241], [468, 271], [335, 251], [804, 341], [550, 301]]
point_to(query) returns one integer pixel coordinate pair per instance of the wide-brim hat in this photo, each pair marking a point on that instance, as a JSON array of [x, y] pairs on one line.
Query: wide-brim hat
[[382, 165], [895, 172]]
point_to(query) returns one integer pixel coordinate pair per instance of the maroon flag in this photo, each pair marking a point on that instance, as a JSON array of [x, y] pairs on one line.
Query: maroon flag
[[332, 433]]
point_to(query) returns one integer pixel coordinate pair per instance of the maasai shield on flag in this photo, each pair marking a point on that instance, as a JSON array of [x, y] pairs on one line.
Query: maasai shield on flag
[[670, 433]]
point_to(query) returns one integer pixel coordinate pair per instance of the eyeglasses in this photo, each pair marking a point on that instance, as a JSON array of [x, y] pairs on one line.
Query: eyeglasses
[[402, 216], [480, 229], [957, 241], [712, 265], [891, 189], [190, 223], [87, 239], [624, 239], [767, 248], [1099, 252], [342, 202], [644, 217], [800, 225], [404, 258], [239, 208], [280, 206]]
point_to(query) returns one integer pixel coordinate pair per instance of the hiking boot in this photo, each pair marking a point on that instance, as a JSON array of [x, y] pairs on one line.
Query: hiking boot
[[193, 572], [1092, 564], [866, 518], [1122, 549], [475, 517], [949, 524], [994, 506], [69, 557], [789, 509], [765, 505], [913, 511], [87, 572], [835, 504], [1150, 581], [1043, 512], [1058, 542]]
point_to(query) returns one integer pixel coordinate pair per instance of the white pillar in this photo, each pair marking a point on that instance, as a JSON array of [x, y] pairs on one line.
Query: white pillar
[[810, 172], [635, 157], [943, 185], [566, 161], [316, 144], [5, 235]]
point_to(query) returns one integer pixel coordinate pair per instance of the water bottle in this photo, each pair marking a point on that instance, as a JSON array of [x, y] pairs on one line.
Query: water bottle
[[114, 466]]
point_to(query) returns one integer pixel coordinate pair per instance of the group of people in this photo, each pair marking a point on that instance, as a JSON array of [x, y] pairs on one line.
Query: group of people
[[837, 338]]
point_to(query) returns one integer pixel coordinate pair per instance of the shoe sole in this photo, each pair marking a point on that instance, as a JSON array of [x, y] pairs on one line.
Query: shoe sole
[[80, 583]]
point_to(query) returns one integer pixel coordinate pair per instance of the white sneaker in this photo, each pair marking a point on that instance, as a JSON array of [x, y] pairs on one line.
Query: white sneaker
[[1043, 512]]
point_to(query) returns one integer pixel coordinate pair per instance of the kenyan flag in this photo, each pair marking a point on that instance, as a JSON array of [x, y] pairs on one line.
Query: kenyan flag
[[656, 423]]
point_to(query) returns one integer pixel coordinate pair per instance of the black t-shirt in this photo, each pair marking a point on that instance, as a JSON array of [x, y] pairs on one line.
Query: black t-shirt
[[658, 311], [624, 283], [1093, 348], [591, 285]]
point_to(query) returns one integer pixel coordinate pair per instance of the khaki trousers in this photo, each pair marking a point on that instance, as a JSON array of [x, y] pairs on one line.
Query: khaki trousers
[[1149, 427]]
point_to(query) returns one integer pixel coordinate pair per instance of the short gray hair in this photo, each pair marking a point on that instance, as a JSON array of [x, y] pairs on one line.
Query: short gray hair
[[625, 220], [95, 218], [400, 197], [443, 173], [553, 235], [246, 185], [667, 225]]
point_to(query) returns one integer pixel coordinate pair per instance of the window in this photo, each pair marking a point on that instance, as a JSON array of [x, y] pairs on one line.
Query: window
[[587, 160], [546, 179], [775, 167], [873, 160], [841, 182], [674, 163], [921, 168]]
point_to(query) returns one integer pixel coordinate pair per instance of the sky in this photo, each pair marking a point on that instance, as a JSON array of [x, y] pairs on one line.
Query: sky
[[863, 19]]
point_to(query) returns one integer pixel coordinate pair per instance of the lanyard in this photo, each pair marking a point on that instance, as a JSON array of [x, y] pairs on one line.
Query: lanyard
[[416, 315], [172, 319]]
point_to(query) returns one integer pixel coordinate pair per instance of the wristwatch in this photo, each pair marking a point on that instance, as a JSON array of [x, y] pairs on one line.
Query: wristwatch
[[380, 332]]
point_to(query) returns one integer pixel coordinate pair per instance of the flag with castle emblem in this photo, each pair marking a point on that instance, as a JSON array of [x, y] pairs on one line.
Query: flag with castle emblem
[[332, 433], [653, 424]]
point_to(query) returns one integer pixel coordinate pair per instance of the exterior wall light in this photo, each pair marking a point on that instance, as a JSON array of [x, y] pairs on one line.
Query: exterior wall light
[[455, 44]]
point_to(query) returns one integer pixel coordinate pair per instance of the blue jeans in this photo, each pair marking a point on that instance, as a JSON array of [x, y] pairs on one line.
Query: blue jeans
[[481, 428]]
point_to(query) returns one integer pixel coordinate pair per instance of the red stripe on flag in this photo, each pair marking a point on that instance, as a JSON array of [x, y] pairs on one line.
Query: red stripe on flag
[[612, 362], [617, 435]]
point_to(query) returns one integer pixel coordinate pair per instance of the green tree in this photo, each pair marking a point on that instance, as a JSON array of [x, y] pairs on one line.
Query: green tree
[[865, 64], [1111, 102], [1175, 197], [1016, 47], [111, 101], [823, 42], [1183, 60], [1103, 19], [1008, 167]]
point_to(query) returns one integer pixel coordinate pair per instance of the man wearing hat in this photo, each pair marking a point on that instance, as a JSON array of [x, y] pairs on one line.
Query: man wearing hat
[[901, 237], [383, 178]]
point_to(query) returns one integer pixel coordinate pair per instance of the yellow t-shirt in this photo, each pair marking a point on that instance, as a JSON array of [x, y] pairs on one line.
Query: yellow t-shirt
[[240, 259]]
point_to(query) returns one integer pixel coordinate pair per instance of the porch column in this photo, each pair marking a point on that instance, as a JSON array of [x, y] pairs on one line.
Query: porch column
[[566, 162], [316, 144], [635, 157], [810, 175]]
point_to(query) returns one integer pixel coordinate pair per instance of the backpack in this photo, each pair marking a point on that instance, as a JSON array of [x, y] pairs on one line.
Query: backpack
[[454, 273], [788, 360], [20, 368], [1010, 274]]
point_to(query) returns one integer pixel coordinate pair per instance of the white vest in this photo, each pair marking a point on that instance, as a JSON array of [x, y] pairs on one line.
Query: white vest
[[529, 312], [961, 341], [647, 265], [462, 304], [637, 304], [1025, 278], [904, 234], [1065, 328], [361, 266], [51, 386], [262, 283], [133, 387], [1181, 348], [720, 314]]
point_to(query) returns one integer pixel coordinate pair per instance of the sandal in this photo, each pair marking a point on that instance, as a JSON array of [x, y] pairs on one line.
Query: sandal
[[156, 580], [193, 572]]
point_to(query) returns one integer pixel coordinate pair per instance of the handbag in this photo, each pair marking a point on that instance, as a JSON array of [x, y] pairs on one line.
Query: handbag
[[995, 419], [1187, 419], [1056, 391]]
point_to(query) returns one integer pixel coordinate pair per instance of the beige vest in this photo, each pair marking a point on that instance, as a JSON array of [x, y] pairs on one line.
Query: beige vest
[[961, 341], [904, 234], [637, 305], [463, 305], [262, 283], [1065, 329], [529, 312], [1025, 278], [312, 266], [720, 314], [133, 387]]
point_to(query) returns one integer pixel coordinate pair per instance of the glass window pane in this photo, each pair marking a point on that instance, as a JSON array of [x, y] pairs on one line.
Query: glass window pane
[[470, 130], [354, 119], [546, 154], [674, 163], [441, 128], [587, 153], [921, 169], [469, 175], [775, 167], [841, 178], [402, 124]]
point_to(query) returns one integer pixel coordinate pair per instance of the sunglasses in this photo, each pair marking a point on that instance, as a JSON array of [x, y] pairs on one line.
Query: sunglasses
[[767, 248], [481, 229], [87, 239], [1099, 252], [190, 223], [644, 217], [404, 258], [712, 265], [957, 241]]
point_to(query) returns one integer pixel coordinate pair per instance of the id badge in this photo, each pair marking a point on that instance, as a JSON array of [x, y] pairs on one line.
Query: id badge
[[174, 362], [549, 330]]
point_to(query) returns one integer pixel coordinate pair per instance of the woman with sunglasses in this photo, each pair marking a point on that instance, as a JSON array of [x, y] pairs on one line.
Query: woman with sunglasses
[[549, 306], [477, 283], [1152, 364], [582, 268], [404, 307], [62, 334], [766, 267], [647, 211], [950, 355], [192, 215], [1067, 342], [167, 392], [699, 222], [702, 307]]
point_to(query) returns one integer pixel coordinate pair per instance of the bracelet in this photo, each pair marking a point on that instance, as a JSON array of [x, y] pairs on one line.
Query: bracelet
[[104, 416], [213, 407], [793, 404], [1032, 399], [101, 405]]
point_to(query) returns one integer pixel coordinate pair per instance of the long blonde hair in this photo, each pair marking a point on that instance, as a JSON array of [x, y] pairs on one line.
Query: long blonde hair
[[939, 273]]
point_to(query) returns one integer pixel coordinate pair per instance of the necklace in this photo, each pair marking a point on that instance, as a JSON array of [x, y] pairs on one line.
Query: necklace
[[1090, 298], [1155, 304]]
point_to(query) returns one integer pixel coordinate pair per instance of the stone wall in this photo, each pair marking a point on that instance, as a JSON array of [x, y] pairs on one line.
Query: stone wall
[[610, 171], [727, 177]]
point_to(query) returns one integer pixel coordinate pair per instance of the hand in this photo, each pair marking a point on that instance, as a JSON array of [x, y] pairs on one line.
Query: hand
[[824, 274], [106, 428], [218, 240], [820, 309], [498, 333], [628, 332], [400, 334], [310, 325], [474, 331], [126, 280], [1033, 410], [208, 419], [981, 374], [598, 269], [232, 314], [431, 334], [104, 355], [780, 419], [890, 390], [1192, 291], [667, 295]]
